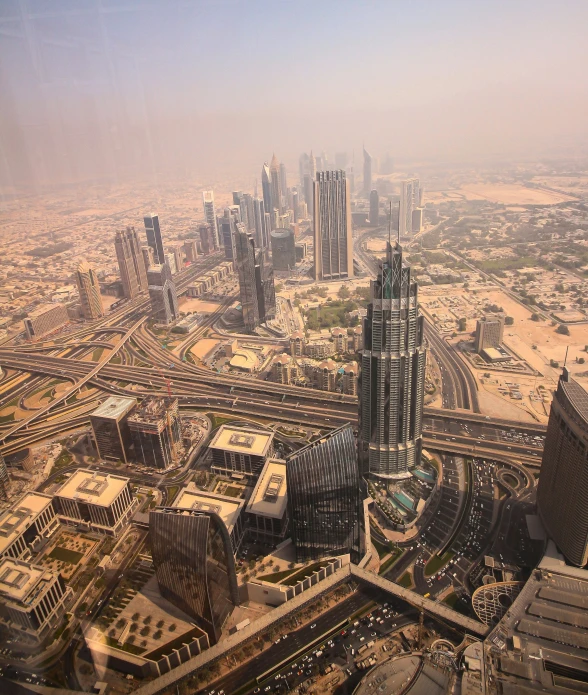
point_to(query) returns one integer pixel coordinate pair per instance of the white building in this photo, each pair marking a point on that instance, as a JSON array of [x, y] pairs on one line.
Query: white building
[[26, 524]]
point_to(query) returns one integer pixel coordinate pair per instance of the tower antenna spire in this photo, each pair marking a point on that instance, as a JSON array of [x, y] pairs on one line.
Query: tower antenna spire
[[566, 357], [390, 226]]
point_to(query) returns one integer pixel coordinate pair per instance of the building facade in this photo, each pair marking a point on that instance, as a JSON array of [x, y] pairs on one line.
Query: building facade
[[267, 509], [489, 332], [333, 241], [392, 376], [89, 289], [194, 565], [45, 319], [297, 343], [562, 495], [325, 499], [367, 173], [156, 431], [256, 281], [374, 208], [26, 526], [162, 293], [210, 216], [111, 430], [410, 198], [131, 262], [241, 450], [275, 186], [283, 249], [154, 238]]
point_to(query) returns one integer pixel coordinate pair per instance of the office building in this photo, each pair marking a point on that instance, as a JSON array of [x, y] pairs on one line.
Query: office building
[[266, 188], [275, 187], [283, 180], [96, 501], [148, 257], [154, 239], [308, 197], [227, 230], [170, 261], [156, 430], [260, 224], [33, 600], [297, 344], [89, 289], [489, 332], [374, 208], [312, 166], [240, 450], [25, 527], [190, 250], [45, 319], [267, 509], [409, 200], [177, 252], [210, 216], [229, 509], [333, 241], [131, 262], [325, 501], [194, 565], [283, 249], [207, 240], [417, 220], [367, 173], [4, 479], [162, 292], [111, 430], [392, 377], [240, 203], [250, 210], [562, 495], [256, 281]]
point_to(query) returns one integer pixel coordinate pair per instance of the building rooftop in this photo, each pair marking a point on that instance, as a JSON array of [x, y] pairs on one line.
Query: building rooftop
[[270, 497], [244, 359], [114, 407], [152, 409], [228, 508], [577, 396], [20, 516], [42, 308], [242, 440], [18, 580], [92, 487]]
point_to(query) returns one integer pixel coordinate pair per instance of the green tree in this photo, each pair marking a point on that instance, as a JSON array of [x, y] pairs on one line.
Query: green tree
[[508, 321], [562, 329], [343, 292], [462, 324]]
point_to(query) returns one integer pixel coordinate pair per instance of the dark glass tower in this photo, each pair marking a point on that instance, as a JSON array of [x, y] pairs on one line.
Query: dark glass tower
[[163, 295], [154, 239], [194, 565], [256, 281], [392, 376], [325, 501], [562, 495]]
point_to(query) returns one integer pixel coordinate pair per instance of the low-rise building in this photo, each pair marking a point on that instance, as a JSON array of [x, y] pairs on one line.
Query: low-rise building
[[284, 369], [319, 349], [33, 599], [340, 339], [240, 450], [99, 502], [267, 509], [26, 525], [357, 337], [297, 344], [349, 378]]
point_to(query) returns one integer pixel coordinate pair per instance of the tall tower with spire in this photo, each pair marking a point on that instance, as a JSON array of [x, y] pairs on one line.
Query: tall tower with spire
[[392, 375], [312, 166], [275, 187]]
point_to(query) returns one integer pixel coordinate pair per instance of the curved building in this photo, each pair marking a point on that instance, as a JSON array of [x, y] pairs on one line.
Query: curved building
[[324, 498], [491, 601], [562, 495], [194, 564], [283, 249], [89, 289], [392, 377]]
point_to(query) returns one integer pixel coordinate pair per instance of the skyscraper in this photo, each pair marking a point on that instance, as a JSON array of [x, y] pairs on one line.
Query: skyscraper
[[312, 166], [249, 206], [210, 215], [89, 289], [4, 479], [207, 240], [392, 376], [256, 282], [341, 160], [325, 499], [266, 188], [283, 249], [131, 262], [227, 228], [303, 167], [154, 239], [156, 431], [374, 208], [562, 495], [333, 241], [283, 179], [194, 564], [409, 199], [261, 232], [275, 187], [162, 292], [367, 173]]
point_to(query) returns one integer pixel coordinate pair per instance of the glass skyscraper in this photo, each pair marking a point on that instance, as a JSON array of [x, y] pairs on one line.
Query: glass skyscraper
[[154, 239], [325, 499], [194, 565], [256, 280], [392, 376]]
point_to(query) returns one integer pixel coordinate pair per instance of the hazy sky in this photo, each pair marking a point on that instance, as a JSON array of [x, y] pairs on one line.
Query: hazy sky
[[125, 88]]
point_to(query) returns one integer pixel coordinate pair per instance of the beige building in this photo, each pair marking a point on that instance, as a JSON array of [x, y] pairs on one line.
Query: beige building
[[25, 526], [267, 510], [357, 337], [349, 379], [340, 340], [45, 319], [89, 289], [327, 375], [240, 451], [297, 344], [489, 332], [319, 349], [284, 369]]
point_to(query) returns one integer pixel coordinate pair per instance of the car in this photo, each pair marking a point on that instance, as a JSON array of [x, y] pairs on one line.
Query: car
[[373, 634], [313, 626]]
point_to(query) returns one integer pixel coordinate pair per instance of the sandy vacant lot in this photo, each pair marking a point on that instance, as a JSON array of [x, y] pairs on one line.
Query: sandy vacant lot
[[507, 193], [199, 305]]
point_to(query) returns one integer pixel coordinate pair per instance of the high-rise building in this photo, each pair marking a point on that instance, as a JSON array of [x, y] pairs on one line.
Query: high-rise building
[[227, 226], [417, 220], [207, 241], [242, 450], [154, 239], [303, 167], [374, 208], [248, 201], [190, 250], [266, 188], [333, 240], [89, 289], [148, 257], [312, 167], [283, 179], [367, 173], [392, 377], [409, 200], [194, 564], [26, 525], [131, 262], [308, 193], [489, 332], [162, 292], [325, 499], [295, 211], [111, 431], [275, 187], [261, 232], [156, 430], [562, 495], [4, 479], [283, 249], [341, 160], [256, 282], [210, 216]]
